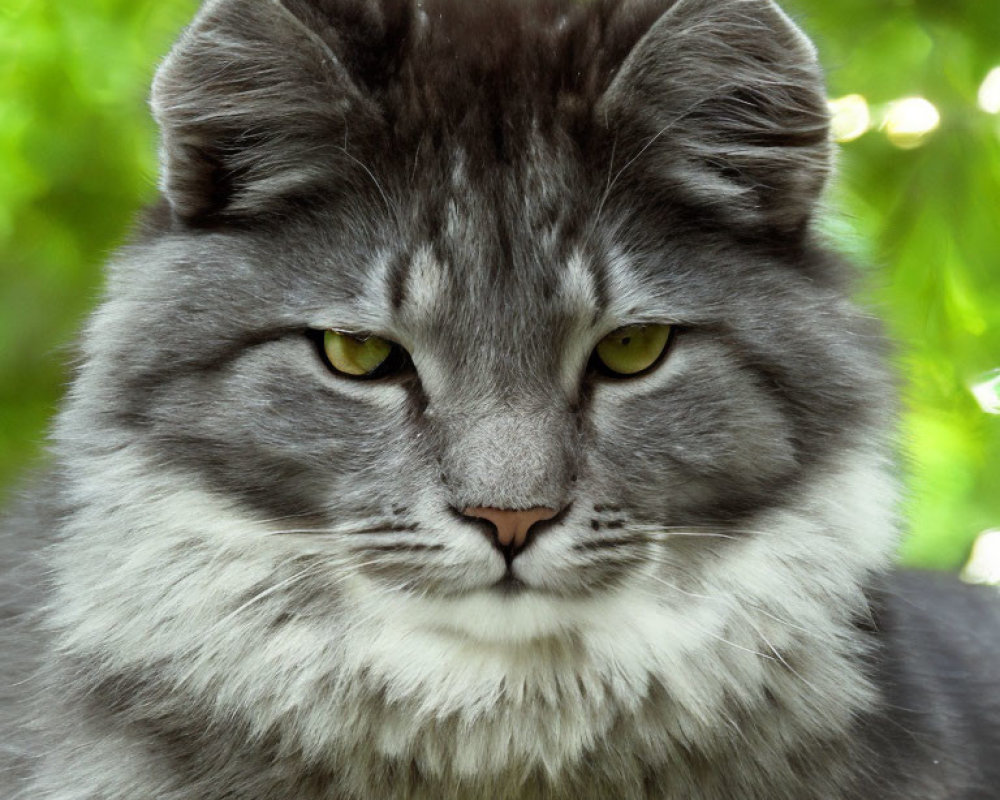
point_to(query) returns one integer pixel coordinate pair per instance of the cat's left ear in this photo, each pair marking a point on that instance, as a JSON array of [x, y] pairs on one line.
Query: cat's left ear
[[725, 101]]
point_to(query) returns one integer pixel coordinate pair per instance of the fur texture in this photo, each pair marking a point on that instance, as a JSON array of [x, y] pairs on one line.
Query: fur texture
[[257, 584]]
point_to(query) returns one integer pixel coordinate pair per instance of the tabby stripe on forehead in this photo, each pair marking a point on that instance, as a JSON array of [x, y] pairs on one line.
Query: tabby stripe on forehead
[[396, 276]]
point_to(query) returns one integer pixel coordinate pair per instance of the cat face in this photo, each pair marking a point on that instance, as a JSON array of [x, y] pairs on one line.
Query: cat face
[[495, 217], [494, 189]]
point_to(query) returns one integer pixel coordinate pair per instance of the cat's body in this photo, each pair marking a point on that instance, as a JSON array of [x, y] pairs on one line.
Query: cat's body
[[269, 580]]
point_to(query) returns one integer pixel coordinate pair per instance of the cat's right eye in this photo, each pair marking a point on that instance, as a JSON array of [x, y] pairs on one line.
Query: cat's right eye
[[632, 350], [362, 356]]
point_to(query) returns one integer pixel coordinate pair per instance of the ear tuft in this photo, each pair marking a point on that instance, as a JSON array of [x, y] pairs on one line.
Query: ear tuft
[[726, 101], [250, 103]]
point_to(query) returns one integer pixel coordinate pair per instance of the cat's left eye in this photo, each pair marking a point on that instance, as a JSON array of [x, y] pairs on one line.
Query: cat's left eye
[[362, 355], [631, 350]]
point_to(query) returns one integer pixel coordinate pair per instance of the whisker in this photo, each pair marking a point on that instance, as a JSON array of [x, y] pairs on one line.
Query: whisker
[[298, 577], [230, 616], [708, 632], [609, 544], [694, 535], [781, 659], [258, 597], [679, 590], [740, 607], [398, 547], [347, 531], [378, 185], [777, 619], [272, 520]]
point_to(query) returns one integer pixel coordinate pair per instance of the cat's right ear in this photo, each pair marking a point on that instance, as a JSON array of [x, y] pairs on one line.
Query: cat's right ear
[[251, 103]]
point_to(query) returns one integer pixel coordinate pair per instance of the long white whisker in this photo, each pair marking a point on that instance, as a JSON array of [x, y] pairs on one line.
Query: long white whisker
[[707, 632], [680, 534], [301, 515], [387, 528], [774, 650], [257, 598], [297, 577], [385, 197]]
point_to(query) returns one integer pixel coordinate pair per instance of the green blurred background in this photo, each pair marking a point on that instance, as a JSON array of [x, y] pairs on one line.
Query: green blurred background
[[918, 210]]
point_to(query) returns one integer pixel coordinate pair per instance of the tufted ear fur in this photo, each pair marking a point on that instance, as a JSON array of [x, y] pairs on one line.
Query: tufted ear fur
[[726, 102], [254, 104]]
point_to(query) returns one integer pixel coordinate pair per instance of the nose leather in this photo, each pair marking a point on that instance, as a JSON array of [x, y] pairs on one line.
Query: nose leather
[[511, 526]]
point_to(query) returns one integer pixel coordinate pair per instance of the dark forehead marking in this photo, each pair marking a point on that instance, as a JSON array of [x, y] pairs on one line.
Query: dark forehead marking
[[503, 262], [396, 279]]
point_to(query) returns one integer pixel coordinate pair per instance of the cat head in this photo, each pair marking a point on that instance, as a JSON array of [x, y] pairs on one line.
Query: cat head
[[489, 192], [489, 202]]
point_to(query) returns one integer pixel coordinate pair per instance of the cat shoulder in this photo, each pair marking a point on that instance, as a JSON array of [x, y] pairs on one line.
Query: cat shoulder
[[939, 675]]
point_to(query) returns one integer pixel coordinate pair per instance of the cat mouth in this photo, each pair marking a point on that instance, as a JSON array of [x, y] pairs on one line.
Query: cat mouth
[[510, 585]]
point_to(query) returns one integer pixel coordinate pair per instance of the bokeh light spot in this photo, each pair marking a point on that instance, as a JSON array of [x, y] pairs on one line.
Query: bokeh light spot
[[850, 117], [908, 122], [984, 563], [986, 390], [989, 92]]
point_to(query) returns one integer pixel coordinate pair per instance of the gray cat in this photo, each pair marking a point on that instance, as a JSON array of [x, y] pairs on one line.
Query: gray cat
[[479, 416]]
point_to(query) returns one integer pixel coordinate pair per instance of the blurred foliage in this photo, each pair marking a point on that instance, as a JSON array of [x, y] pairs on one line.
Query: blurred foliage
[[924, 224], [77, 158]]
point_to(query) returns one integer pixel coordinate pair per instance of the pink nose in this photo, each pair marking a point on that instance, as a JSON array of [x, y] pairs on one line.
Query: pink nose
[[511, 526]]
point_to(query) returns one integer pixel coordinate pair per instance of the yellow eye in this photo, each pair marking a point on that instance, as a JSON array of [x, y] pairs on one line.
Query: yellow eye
[[633, 349], [358, 356]]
